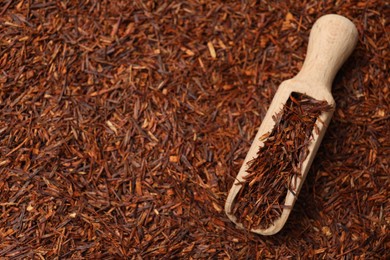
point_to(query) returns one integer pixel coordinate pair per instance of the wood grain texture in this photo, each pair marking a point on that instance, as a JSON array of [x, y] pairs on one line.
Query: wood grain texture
[[332, 40]]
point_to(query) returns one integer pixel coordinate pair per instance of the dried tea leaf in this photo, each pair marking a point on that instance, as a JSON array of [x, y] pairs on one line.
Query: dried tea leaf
[[270, 174]]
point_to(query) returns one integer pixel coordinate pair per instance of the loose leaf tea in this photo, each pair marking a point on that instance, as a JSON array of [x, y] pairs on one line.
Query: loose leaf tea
[[123, 124], [270, 175]]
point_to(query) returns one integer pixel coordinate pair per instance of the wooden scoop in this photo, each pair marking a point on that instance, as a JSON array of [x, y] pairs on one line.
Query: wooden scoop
[[332, 40]]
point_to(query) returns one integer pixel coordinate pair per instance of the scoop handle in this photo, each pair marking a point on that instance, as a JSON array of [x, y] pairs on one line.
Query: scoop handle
[[332, 39]]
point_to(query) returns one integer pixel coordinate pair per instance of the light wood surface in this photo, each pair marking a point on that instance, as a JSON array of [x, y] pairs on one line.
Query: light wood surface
[[332, 40]]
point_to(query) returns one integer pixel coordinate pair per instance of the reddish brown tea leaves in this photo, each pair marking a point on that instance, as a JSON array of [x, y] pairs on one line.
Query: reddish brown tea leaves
[[120, 134], [261, 198]]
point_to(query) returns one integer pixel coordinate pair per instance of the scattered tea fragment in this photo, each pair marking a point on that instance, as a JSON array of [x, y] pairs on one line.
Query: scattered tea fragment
[[261, 198]]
